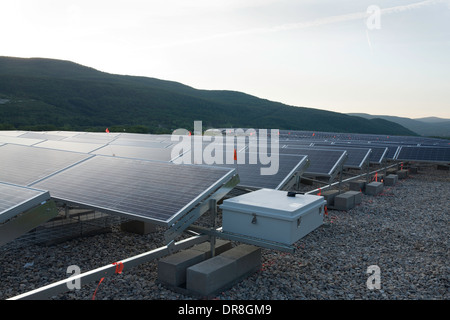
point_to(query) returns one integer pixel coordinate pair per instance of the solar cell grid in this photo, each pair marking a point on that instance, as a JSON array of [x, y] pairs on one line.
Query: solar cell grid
[[16, 199], [42, 136], [140, 143], [426, 154], [23, 165], [147, 190], [356, 156], [379, 152], [250, 174], [19, 140], [322, 162], [83, 147], [145, 153], [12, 133]]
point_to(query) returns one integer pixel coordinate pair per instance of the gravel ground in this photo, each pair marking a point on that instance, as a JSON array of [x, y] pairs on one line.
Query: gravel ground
[[403, 231]]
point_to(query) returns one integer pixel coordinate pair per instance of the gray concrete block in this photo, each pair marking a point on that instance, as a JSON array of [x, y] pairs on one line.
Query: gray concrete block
[[374, 188], [138, 227], [357, 185], [329, 196], [413, 170], [172, 269], [223, 270], [210, 275], [248, 258], [344, 201], [391, 171], [357, 196], [391, 180], [402, 174]]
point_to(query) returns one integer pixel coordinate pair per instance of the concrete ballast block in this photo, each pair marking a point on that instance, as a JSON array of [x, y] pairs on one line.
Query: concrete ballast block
[[357, 196], [391, 180], [138, 227], [413, 169], [374, 188], [172, 269], [357, 185], [329, 196], [223, 270], [248, 258], [344, 201], [402, 174]]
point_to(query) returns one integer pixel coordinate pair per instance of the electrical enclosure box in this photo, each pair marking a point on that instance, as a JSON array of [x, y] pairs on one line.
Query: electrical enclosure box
[[272, 215]]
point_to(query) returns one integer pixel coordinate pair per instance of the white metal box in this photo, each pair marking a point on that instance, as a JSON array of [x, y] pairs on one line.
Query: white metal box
[[272, 215]]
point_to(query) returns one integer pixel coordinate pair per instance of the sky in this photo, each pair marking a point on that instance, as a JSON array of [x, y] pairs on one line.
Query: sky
[[383, 57]]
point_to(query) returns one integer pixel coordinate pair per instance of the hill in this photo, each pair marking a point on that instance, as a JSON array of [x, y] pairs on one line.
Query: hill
[[430, 126], [47, 94]]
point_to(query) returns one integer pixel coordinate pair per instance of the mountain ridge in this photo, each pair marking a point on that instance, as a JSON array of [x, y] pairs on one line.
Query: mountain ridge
[[429, 126], [44, 94]]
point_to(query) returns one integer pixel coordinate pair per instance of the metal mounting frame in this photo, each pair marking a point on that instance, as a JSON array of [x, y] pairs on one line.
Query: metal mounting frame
[[184, 222], [27, 221]]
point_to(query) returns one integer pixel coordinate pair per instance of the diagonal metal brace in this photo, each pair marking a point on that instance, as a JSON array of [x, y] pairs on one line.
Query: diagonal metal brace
[[182, 224]]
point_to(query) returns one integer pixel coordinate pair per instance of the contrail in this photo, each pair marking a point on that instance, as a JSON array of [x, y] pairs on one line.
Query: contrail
[[306, 24], [368, 40]]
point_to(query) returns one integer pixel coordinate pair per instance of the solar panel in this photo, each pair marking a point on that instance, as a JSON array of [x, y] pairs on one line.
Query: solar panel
[[42, 136], [146, 153], [250, 174], [140, 143], [11, 133], [253, 174], [425, 154], [379, 152], [93, 137], [356, 159], [325, 163], [83, 147], [17, 199], [23, 165], [142, 137], [158, 192], [19, 140]]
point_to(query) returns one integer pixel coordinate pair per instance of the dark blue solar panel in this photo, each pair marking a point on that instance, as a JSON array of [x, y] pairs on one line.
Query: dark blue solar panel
[[426, 154]]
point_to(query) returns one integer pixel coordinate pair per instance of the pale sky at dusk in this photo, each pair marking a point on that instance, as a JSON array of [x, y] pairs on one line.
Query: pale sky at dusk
[[311, 53]]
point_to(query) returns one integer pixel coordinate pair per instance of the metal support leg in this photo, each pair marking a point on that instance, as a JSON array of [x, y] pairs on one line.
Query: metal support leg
[[212, 239], [368, 172]]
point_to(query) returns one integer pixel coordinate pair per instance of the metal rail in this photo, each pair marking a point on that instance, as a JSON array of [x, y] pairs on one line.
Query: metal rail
[[61, 286]]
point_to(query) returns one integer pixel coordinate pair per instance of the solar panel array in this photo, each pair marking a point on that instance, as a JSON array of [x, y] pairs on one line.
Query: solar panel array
[[136, 174], [401, 148]]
